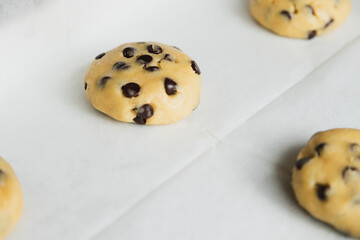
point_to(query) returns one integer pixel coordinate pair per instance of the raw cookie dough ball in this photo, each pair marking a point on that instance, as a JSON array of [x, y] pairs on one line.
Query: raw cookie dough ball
[[145, 82], [11, 199], [300, 18], [326, 179]]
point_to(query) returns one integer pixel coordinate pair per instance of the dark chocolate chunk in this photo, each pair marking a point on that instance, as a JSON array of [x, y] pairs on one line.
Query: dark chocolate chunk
[[99, 56], [144, 59], [102, 82], [121, 66], [129, 52], [144, 112], [130, 90], [170, 86], [301, 162], [311, 9], [347, 169], [195, 67], [321, 190], [85, 86], [286, 14], [319, 148], [152, 69], [312, 34], [168, 57], [328, 23], [156, 49]]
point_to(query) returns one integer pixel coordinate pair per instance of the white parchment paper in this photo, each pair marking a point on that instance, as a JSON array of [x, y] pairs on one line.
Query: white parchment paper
[[221, 173]]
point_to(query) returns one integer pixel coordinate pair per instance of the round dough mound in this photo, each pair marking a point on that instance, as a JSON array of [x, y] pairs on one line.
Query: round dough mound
[[145, 82], [326, 179], [300, 18], [11, 199]]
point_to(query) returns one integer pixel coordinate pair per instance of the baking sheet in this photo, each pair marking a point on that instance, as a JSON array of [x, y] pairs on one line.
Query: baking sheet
[[85, 176]]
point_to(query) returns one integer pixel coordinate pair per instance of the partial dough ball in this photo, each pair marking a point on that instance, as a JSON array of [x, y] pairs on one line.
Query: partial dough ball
[[326, 179], [300, 18], [11, 199], [145, 83]]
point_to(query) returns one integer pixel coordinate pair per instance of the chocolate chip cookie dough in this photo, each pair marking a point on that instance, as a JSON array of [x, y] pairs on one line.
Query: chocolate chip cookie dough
[[144, 83], [11, 199], [326, 179], [300, 18]]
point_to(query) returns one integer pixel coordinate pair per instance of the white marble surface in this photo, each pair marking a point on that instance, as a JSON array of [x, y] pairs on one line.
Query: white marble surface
[[219, 174]]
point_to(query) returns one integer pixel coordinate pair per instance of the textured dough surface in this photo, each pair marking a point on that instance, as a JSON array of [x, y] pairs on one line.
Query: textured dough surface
[[300, 18], [326, 179], [11, 199], [146, 82]]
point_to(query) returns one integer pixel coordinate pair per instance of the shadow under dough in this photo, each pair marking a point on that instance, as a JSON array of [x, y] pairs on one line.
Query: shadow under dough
[[243, 9], [283, 173]]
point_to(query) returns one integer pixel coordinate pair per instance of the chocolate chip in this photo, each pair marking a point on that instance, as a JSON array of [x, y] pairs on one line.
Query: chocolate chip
[[102, 82], [195, 67], [144, 112], [144, 59], [354, 146], [176, 48], [301, 162], [170, 86], [328, 23], [121, 66], [286, 14], [139, 120], [311, 9], [312, 34], [99, 56], [85, 86], [168, 57], [156, 49], [130, 90], [321, 190], [129, 52], [319, 148], [347, 169], [152, 69]]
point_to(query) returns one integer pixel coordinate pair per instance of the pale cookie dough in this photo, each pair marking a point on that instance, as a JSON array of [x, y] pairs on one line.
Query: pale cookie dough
[[11, 199], [145, 82], [300, 18], [326, 179]]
